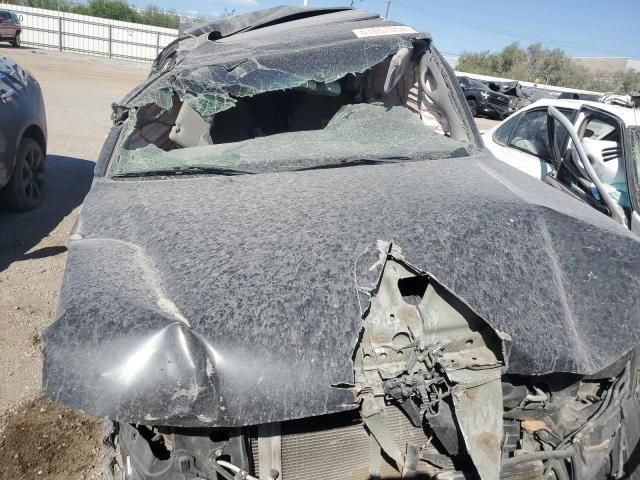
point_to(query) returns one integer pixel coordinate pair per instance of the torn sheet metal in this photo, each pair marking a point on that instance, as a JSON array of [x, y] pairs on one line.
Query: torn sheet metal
[[477, 398], [261, 267], [424, 351], [227, 26]]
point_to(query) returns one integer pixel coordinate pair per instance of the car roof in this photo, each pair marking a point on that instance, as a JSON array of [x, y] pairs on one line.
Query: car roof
[[629, 116], [269, 37], [227, 26]]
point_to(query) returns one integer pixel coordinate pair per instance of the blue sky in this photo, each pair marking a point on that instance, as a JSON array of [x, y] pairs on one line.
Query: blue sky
[[580, 27]]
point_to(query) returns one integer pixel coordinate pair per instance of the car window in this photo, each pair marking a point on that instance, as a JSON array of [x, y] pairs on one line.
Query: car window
[[601, 142], [503, 132], [4, 16], [530, 133], [600, 129]]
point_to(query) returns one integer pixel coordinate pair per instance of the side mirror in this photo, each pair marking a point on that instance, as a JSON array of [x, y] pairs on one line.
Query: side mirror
[[5, 95], [553, 116]]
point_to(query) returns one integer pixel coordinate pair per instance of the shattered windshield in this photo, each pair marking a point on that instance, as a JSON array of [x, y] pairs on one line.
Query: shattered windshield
[[248, 117], [356, 133]]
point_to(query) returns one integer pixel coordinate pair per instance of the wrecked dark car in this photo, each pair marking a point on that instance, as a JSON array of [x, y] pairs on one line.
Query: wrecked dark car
[[298, 261], [513, 89], [484, 101]]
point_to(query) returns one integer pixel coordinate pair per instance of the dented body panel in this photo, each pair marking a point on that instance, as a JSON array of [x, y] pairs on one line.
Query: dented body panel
[[250, 310]]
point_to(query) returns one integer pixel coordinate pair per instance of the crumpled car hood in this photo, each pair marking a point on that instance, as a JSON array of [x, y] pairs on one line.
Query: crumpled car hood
[[227, 301]]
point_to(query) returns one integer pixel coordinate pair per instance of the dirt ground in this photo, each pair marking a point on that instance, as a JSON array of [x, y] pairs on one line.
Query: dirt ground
[[485, 124], [44, 440], [39, 439]]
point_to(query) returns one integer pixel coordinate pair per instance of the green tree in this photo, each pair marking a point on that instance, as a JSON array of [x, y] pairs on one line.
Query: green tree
[[510, 56], [152, 15], [111, 9], [549, 66]]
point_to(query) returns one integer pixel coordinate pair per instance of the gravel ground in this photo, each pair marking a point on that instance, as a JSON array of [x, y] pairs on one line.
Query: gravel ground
[[39, 439], [485, 124]]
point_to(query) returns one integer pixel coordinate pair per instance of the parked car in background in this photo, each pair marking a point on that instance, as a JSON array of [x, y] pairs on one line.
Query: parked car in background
[[298, 261], [594, 158], [10, 28], [23, 138], [484, 101], [579, 96], [512, 89]]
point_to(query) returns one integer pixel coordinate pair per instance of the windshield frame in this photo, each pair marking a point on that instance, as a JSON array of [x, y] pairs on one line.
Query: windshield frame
[[631, 143], [366, 158], [454, 107]]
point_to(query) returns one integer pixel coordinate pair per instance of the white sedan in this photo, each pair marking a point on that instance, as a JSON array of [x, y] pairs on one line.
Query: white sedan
[[590, 150]]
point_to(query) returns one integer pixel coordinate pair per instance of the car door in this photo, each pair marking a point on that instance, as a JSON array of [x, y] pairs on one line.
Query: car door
[[632, 165], [581, 168], [522, 141], [10, 25], [15, 20], [12, 108], [5, 25]]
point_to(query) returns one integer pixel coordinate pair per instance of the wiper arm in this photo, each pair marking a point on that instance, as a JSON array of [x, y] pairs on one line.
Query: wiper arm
[[357, 161], [190, 170]]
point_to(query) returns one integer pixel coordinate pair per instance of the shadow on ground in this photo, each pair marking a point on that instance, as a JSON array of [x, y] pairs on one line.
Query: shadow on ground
[[67, 181]]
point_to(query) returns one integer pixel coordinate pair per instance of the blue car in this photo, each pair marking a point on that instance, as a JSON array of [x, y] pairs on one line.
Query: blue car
[[23, 138]]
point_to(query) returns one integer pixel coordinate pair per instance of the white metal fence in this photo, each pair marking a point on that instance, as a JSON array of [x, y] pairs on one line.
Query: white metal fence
[[90, 35]]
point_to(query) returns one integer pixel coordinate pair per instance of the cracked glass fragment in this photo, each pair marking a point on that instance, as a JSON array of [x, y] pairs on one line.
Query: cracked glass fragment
[[363, 133]]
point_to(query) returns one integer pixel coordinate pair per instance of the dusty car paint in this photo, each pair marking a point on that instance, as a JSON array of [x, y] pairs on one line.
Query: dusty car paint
[[443, 317], [151, 299]]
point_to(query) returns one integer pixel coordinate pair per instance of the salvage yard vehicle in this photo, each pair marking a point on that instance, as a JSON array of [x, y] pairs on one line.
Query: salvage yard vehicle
[[512, 89], [10, 28], [23, 138], [298, 261], [484, 101], [590, 150]]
